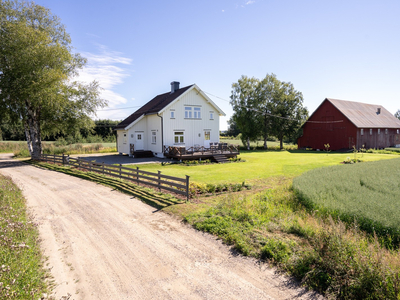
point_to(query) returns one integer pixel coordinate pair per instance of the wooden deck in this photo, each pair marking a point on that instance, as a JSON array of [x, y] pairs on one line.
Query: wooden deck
[[195, 153]]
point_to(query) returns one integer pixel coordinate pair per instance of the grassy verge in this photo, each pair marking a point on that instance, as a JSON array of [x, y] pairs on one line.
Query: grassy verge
[[340, 262], [22, 275], [20, 149]]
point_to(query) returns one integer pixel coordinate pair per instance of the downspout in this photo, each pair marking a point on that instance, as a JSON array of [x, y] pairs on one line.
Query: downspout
[[162, 134]]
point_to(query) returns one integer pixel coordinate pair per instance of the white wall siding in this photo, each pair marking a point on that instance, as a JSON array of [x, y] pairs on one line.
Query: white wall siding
[[193, 128], [154, 125]]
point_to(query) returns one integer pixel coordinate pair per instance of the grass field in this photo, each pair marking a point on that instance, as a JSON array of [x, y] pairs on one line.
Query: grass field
[[260, 165], [366, 192], [20, 148], [22, 275]]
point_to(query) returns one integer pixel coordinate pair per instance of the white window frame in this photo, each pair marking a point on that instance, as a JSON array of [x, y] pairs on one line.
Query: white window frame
[[379, 131], [211, 115], [153, 137], [370, 131], [362, 131], [188, 112], [197, 112], [172, 114], [179, 137], [386, 131]]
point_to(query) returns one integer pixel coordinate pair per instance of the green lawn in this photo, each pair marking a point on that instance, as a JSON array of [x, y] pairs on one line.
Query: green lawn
[[260, 165]]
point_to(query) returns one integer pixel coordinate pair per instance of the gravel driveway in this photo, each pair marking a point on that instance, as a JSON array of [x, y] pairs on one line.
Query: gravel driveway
[[103, 244]]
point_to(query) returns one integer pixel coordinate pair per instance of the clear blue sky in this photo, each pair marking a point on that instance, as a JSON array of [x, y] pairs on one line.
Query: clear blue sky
[[346, 50]]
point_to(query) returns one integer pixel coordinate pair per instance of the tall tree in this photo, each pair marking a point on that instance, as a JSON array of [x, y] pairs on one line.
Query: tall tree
[[244, 103], [37, 68], [288, 111], [266, 90]]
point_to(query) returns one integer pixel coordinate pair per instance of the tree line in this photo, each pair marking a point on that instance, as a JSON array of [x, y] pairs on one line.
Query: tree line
[[102, 130], [266, 108]]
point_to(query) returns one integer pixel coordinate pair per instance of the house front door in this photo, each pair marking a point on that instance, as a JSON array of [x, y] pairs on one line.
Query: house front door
[[139, 145]]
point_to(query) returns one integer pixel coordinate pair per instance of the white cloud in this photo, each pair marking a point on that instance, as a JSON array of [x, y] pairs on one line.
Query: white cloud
[[250, 2], [105, 67]]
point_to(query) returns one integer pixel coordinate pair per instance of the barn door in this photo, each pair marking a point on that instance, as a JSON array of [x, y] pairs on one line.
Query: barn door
[[351, 142]]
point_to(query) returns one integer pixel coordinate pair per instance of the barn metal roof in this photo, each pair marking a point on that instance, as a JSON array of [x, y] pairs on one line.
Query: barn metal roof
[[365, 115]]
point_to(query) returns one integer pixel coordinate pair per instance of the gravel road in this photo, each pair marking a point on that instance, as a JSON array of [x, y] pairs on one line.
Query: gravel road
[[103, 244]]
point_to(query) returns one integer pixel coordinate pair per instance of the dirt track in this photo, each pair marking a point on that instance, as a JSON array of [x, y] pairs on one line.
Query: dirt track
[[103, 244]]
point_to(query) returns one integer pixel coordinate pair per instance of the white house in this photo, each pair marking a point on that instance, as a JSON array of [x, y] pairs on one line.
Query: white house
[[183, 117]]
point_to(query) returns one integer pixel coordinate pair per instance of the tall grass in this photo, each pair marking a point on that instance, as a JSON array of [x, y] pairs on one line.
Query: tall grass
[[341, 263], [22, 275], [365, 192], [20, 149]]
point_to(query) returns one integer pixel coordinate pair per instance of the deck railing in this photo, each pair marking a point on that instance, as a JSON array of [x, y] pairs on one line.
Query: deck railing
[[220, 148]]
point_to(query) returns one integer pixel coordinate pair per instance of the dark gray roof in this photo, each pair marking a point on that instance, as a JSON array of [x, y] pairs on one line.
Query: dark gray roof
[[364, 115], [153, 106]]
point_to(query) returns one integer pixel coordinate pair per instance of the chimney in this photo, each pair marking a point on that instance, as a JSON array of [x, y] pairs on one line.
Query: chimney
[[174, 86], [378, 110]]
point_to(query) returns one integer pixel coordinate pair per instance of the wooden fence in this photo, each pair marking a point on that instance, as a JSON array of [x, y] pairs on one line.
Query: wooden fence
[[157, 180]]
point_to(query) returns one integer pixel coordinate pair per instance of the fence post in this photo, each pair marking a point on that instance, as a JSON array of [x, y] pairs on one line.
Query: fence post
[[63, 160], [103, 168], [68, 160], [54, 159], [159, 183], [120, 171], [137, 174], [187, 188], [90, 166]]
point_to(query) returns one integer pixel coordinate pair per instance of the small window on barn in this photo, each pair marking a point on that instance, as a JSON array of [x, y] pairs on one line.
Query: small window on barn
[[362, 131], [398, 131], [172, 114], [211, 115], [379, 131], [386, 131], [370, 131], [153, 137]]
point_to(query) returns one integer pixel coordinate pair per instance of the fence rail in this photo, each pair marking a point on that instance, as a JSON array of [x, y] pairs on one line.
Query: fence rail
[[157, 180]]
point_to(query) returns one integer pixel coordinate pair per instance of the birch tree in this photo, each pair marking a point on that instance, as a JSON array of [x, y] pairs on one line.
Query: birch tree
[[37, 70]]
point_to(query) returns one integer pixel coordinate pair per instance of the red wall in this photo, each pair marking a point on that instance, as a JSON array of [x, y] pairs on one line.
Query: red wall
[[339, 135]]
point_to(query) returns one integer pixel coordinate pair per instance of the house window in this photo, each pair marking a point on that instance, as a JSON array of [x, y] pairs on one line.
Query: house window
[[398, 130], [188, 112], [125, 138], [172, 114], [179, 137], [153, 137], [207, 135], [386, 131], [379, 131], [362, 131], [211, 115], [370, 131], [192, 112], [197, 113]]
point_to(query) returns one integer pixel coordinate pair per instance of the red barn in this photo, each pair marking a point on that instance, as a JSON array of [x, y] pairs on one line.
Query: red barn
[[344, 124]]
